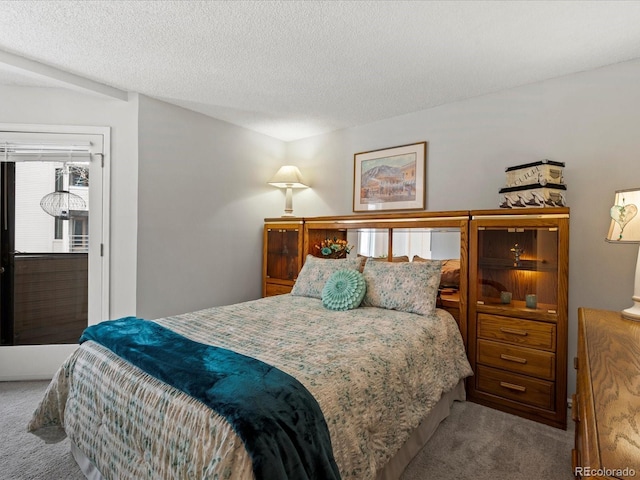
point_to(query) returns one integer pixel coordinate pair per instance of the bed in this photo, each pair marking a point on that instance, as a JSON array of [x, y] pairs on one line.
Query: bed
[[383, 376]]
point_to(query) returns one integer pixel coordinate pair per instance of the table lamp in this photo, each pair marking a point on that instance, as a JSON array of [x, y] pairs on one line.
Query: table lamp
[[625, 228], [288, 177]]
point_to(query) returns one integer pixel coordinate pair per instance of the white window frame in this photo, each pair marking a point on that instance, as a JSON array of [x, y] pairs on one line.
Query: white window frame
[[40, 361]]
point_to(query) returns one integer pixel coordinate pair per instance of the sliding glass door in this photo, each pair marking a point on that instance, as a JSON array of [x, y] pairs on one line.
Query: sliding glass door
[[52, 245]]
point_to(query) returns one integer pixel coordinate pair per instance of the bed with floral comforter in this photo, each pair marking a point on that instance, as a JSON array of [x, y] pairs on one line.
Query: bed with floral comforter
[[375, 373]]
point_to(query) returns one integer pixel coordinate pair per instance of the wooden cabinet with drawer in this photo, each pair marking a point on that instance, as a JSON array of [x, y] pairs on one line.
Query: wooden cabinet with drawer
[[518, 270]]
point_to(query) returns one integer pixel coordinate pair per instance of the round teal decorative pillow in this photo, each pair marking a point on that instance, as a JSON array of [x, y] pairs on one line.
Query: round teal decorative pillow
[[344, 290]]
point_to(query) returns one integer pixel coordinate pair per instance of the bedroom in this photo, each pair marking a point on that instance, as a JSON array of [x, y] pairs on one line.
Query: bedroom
[[168, 160]]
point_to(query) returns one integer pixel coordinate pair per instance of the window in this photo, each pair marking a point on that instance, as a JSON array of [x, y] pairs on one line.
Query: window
[[78, 176]]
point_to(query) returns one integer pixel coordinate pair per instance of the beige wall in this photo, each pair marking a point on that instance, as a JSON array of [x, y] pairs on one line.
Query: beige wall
[[203, 197]]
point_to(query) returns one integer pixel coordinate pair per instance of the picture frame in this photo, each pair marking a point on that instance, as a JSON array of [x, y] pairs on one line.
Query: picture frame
[[390, 179]]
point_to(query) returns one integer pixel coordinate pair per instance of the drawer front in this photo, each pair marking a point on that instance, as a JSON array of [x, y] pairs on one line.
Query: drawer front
[[527, 361], [526, 333], [519, 388], [276, 289]]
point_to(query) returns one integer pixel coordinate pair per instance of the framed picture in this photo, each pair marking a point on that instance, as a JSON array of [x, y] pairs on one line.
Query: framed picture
[[390, 179]]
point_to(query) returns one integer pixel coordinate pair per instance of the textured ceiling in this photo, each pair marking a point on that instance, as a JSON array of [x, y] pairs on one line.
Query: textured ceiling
[[292, 69]]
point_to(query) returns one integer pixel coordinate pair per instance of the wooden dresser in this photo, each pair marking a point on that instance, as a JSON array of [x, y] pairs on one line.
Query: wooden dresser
[[606, 405]]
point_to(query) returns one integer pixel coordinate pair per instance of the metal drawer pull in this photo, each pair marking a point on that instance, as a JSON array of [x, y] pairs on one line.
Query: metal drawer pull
[[511, 358], [514, 331], [511, 386]]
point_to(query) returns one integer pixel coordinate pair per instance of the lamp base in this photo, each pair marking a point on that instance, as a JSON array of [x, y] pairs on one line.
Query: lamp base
[[632, 313], [288, 203]]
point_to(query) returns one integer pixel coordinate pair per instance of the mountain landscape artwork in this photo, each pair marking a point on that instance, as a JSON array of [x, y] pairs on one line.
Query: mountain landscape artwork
[[390, 179]]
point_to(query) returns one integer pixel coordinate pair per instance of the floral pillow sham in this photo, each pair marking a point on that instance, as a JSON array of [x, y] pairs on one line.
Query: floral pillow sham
[[407, 287]]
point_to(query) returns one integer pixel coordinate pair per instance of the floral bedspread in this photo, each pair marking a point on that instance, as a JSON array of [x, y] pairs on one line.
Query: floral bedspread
[[375, 373]]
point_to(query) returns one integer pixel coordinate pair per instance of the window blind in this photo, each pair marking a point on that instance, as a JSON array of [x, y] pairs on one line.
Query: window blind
[[41, 152]]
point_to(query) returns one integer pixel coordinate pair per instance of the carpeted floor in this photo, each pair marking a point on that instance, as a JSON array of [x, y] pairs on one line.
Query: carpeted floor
[[24, 456], [480, 443], [475, 442]]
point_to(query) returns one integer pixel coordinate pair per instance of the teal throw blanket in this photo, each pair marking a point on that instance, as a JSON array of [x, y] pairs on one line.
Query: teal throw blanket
[[279, 421]]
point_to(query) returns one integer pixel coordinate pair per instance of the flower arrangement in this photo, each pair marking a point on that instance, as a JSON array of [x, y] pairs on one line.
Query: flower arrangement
[[334, 248]]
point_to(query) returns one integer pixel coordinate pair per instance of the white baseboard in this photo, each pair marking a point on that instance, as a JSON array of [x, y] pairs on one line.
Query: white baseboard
[[32, 362]]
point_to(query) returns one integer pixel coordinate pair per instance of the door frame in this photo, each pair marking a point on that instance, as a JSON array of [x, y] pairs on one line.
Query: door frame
[[40, 362]]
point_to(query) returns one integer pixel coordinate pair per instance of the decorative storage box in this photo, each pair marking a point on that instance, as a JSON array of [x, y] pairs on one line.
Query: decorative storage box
[[542, 172], [538, 195]]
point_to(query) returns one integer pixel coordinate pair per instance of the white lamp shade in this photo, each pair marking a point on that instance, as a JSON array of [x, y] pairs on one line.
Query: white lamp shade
[[288, 177], [625, 218]]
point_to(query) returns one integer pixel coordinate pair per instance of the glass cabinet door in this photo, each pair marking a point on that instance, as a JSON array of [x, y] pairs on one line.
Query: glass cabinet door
[[282, 253], [518, 268]]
